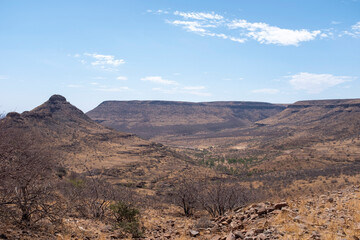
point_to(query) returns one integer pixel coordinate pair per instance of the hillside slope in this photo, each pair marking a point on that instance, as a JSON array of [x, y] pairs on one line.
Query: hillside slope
[[307, 134], [162, 119], [81, 144]]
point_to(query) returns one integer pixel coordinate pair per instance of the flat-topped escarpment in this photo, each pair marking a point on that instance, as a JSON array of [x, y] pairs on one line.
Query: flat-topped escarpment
[[150, 119]]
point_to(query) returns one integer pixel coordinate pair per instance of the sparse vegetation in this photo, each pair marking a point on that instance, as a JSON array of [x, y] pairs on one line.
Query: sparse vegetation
[[126, 218], [27, 183], [55, 175], [186, 195]]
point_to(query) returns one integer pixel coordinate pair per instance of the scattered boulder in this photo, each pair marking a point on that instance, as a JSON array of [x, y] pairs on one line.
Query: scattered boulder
[[194, 233], [280, 205]]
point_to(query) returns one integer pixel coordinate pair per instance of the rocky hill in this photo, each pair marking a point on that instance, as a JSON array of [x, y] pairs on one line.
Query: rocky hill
[[81, 144], [163, 119]]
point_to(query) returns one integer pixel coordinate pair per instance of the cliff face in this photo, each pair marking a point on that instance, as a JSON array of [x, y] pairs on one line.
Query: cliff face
[[150, 119]]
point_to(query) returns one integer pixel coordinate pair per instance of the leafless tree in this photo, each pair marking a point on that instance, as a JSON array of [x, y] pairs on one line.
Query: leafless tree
[[90, 194], [218, 197], [27, 192], [186, 195]]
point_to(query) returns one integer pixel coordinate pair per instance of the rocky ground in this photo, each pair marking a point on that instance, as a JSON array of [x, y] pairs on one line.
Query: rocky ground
[[334, 215]]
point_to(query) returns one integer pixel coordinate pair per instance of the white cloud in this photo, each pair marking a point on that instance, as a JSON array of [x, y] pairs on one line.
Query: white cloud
[[3, 77], [104, 61], [266, 91], [201, 29], [199, 15], [122, 78], [215, 25], [316, 83], [191, 26], [159, 11], [94, 83], [356, 27], [335, 22], [159, 80], [267, 34], [355, 30]]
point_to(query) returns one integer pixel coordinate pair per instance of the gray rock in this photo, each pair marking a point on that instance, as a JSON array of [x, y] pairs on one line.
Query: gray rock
[[194, 233]]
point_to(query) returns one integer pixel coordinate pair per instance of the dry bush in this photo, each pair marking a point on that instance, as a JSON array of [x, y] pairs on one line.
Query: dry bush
[[185, 195], [219, 196], [27, 181], [90, 195]]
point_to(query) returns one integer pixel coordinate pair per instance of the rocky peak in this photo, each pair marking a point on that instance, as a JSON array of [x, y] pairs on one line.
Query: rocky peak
[[13, 115], [57, 98]]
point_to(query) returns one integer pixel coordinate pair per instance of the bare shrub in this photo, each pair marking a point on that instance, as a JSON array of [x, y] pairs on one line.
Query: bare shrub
[[90, 195], [186, 195], [218, 197], [27, 181]]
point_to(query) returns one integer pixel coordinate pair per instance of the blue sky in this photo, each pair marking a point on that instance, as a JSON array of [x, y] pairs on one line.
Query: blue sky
[[278, 51]]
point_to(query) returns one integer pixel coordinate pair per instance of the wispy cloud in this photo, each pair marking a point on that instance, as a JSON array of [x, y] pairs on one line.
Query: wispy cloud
[[159, 11], [264, 33], [2, 77], [100, 61], [122, 78], [105, 61], [199, 15], [203, 24], [266, 91], [173, 87], [315, 83], [159, 80], [335, 22], [355, 30], [240, 30]]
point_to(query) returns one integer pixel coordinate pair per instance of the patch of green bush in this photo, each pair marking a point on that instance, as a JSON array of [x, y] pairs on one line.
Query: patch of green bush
[[126, 218]]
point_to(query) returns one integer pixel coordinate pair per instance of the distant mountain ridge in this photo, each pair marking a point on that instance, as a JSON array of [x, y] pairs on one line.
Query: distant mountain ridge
[[150, 119]]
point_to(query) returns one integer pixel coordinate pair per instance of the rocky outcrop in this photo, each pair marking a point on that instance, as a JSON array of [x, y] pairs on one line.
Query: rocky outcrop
[[333, 215]]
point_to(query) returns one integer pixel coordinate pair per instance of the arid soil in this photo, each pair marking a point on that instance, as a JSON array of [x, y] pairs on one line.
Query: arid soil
[[299, 165]]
